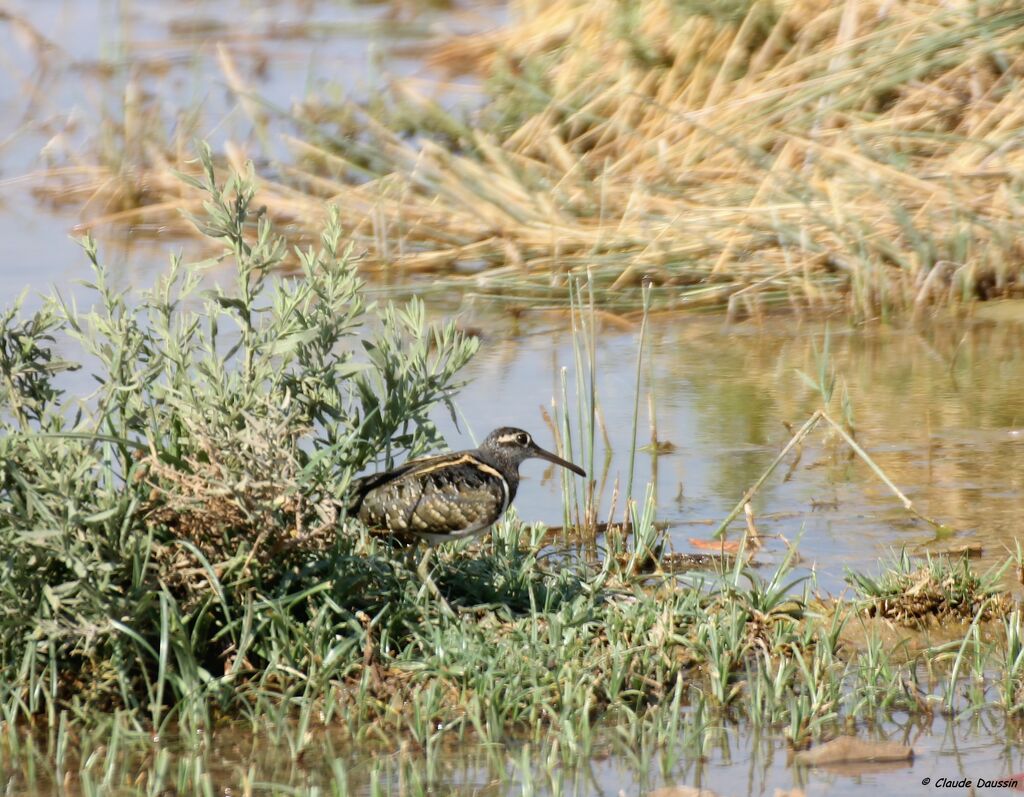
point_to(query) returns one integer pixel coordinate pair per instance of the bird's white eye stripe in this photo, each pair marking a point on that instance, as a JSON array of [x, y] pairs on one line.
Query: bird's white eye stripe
[[514, 438]]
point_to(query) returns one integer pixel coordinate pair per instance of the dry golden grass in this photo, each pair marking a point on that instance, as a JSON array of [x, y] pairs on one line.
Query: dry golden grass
[[801, 151]]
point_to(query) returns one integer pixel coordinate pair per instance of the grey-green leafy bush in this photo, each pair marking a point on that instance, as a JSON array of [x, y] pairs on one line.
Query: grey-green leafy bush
[[204, 475]]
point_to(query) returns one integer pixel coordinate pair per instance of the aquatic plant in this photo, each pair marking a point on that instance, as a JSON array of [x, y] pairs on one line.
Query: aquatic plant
[[175, 549]]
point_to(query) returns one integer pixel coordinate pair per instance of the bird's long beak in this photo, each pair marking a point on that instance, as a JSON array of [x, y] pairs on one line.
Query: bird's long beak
[[542, 454]]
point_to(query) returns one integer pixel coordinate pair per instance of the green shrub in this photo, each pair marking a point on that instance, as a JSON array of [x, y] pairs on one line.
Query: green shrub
[[141, 526]]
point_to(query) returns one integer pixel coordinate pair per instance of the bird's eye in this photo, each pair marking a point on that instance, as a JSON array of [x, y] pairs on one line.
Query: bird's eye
[[523, 439]]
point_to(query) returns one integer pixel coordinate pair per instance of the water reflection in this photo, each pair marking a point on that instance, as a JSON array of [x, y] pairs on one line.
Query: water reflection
[[938, 408], [726, 759]]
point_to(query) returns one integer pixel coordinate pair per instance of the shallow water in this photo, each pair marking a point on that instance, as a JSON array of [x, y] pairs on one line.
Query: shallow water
[[938, 409], [727, 760], [72, 69], [937, 406]]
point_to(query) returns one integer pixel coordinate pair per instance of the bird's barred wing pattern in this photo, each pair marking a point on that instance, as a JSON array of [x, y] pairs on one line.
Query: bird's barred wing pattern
[[445, 497], [360, 488]]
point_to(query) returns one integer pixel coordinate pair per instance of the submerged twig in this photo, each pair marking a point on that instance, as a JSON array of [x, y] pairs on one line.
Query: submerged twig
[[802, 432], [860, 452]]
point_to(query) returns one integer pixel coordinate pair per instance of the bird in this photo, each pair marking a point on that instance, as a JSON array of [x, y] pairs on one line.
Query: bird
[[448, 496]]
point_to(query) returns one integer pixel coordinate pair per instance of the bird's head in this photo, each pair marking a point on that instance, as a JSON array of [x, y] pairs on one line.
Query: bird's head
[[510, 446]]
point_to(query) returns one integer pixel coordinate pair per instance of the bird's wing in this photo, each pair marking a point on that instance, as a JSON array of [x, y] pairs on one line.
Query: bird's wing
[[441, 495], [364, 485]]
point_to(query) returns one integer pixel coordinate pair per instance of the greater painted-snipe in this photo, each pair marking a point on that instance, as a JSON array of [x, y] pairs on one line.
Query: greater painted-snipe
[[449, 496]]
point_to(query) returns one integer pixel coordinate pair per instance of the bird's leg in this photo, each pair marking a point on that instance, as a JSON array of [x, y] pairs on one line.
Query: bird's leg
[[423, 571]]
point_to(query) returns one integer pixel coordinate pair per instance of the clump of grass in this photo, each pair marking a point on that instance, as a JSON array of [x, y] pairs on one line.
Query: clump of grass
[[939, 589]]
